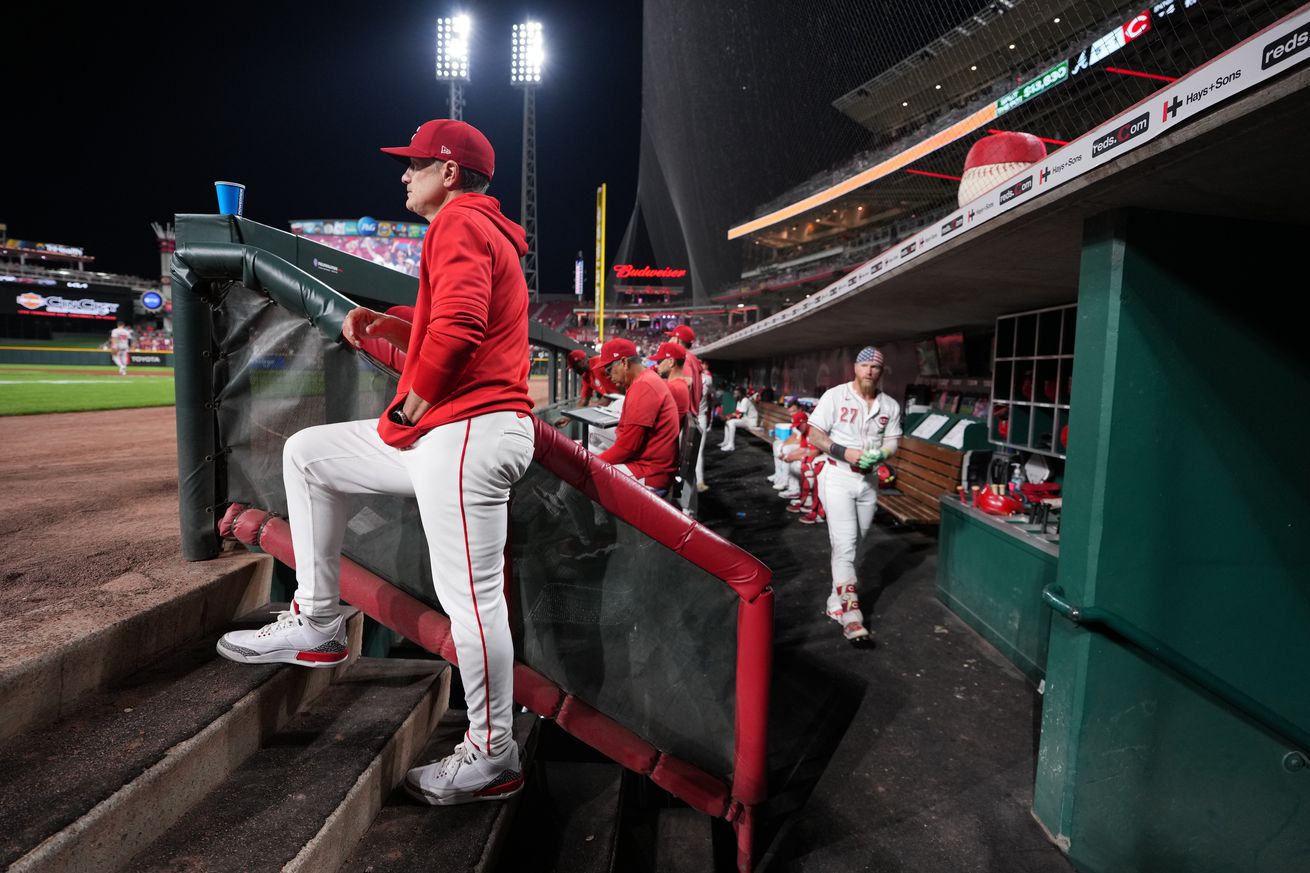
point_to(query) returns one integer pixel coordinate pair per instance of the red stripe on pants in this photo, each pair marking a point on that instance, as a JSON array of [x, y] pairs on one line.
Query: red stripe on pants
[[468, 555]]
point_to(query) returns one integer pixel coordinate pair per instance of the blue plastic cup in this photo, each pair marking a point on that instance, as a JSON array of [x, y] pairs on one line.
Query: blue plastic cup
[[231, 197]]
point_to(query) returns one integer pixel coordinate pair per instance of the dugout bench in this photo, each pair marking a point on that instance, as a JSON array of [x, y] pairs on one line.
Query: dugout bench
[[932, 460]]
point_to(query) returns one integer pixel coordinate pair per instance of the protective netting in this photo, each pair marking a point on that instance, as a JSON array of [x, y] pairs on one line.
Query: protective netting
[[749, 107], [611, 616]]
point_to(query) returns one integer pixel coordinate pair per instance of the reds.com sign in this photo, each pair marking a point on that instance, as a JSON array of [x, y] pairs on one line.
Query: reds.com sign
[[628, 271]]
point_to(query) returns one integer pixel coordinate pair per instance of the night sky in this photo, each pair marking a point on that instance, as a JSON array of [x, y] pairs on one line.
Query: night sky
[[104, 135]]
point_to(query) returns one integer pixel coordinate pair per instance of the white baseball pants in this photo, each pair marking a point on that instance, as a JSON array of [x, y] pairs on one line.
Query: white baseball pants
[[730, 433], [703, 425], [460, 474], [849, 500], [779, 465]]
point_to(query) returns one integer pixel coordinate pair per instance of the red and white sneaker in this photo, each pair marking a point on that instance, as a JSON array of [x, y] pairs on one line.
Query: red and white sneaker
[[292, 639], [833, 609], [467, 776], [795, 506], [852, 626], [812, 518]]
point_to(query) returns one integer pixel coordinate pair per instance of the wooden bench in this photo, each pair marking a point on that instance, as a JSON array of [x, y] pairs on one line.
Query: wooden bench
[[924, 472], [770, 414]]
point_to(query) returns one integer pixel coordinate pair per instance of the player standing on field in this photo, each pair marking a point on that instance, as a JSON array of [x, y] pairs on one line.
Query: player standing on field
[[858, 426], [120, 344], [457, 435]]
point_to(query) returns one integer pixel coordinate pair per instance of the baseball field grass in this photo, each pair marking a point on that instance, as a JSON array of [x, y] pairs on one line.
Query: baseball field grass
[[28, 389]]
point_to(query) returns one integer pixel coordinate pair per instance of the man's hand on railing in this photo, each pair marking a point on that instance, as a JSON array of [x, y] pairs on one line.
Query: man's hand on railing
[[362, 323]]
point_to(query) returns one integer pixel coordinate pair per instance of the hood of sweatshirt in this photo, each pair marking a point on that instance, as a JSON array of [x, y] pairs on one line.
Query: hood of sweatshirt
[[490, 207]]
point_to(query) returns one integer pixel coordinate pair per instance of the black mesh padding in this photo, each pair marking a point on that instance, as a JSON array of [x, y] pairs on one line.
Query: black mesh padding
[[632, 628]]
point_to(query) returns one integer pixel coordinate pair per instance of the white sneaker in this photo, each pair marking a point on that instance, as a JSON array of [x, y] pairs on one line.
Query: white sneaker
[[790, 495], [466, 776], [779, 486], [834, 607], [852, 625], [292, 639]]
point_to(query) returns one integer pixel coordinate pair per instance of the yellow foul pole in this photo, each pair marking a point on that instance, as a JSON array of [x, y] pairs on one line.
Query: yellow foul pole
[[600, 262]]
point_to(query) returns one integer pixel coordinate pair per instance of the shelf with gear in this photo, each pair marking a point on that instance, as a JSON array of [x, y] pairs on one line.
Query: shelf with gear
[[1031, 380]]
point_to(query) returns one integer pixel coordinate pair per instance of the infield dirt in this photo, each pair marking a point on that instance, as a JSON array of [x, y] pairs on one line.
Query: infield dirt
[[89, 528], [88, 523]]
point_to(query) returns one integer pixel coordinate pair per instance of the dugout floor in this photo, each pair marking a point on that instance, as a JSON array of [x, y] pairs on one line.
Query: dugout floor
[[915, 757]]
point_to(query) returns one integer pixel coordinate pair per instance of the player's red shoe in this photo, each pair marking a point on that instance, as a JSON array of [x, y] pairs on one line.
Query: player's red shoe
[[812, 518]]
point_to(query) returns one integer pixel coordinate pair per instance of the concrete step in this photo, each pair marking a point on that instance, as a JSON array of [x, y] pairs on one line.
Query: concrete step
[[585, 804], [96, 787], [302, 800], [408, 837], [684, 841], [125, 626]]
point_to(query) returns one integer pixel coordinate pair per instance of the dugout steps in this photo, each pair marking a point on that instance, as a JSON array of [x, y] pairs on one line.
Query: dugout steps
[[684, 841], [194, 762], [586, 805], [102, 783], [407, 837], [303, 800], [52, 682]]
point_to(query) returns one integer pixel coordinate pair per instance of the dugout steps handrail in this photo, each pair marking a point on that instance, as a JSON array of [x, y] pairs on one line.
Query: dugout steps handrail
[[1115, 627]]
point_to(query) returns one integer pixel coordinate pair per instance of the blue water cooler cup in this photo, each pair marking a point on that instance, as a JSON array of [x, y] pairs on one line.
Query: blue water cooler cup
[[231, 197]]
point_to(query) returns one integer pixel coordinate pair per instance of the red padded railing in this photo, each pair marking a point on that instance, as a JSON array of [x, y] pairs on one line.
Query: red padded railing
[[628, 501]]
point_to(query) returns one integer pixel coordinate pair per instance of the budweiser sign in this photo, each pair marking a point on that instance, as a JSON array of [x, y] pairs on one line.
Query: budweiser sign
[[626, 271]]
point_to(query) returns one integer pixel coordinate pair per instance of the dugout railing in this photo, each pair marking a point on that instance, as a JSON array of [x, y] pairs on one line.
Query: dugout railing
[[636, 629]]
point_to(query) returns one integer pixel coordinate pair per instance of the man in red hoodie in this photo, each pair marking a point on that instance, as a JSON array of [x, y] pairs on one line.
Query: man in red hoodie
[[456, 437], [646, 439]]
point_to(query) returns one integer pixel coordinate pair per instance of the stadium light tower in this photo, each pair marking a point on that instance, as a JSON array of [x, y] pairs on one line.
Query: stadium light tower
[[528, 57], [453, 38]]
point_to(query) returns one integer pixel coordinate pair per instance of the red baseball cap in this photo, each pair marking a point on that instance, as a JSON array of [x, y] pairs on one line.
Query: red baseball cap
[[683, 333], [577, 355], [614, 349], [670, 350], [449, 140], [799, 418]]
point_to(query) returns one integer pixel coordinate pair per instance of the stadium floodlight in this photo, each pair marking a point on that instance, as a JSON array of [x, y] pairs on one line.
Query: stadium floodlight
[[453, 36], [529, 54], [527, 57]]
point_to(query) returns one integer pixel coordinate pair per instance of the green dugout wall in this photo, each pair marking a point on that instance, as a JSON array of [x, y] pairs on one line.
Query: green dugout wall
[[1188, 492]]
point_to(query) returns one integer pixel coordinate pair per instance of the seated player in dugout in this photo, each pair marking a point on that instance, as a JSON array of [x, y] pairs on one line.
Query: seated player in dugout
[[669, 359], [646, 439]]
